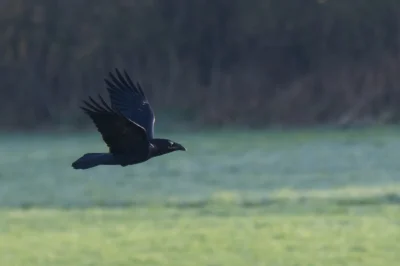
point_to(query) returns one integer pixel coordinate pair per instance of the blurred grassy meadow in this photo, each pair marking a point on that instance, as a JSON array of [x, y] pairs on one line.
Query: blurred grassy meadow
[[305, 197]]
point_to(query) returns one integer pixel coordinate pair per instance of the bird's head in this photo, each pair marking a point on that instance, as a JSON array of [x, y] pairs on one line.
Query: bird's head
[[163, 146]]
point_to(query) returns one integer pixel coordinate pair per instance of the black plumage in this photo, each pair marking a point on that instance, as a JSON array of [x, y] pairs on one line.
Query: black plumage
[[126, 126]]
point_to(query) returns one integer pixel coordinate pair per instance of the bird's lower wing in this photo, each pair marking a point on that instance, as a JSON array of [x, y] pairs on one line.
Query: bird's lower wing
[[118, 132]]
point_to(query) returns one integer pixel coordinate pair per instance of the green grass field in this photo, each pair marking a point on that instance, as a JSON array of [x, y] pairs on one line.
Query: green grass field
[[258, 198]]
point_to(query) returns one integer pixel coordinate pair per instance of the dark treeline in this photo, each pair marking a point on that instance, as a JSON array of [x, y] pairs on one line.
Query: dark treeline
[[254, 62]]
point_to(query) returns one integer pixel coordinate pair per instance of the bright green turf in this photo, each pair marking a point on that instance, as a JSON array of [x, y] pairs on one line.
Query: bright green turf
[[258, 198]]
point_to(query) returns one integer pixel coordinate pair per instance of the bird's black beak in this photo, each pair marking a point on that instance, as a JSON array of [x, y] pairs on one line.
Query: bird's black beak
[[179, 147]]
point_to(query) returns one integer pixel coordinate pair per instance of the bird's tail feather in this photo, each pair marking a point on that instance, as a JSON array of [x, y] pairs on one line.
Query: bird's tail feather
[[90, 160]]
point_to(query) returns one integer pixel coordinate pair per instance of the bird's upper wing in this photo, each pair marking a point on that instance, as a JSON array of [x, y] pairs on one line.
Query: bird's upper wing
[[118, 132], [129, 99]]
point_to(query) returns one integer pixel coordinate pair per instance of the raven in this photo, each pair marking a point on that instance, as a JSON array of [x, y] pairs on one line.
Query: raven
[[127, 126]]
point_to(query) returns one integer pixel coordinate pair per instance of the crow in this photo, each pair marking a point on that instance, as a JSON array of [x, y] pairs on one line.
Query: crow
[[127, 126]]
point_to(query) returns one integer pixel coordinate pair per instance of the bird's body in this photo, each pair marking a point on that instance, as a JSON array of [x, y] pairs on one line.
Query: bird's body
[[127, 126]]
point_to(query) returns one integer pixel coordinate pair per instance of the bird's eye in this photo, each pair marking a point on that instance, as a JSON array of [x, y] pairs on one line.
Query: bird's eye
[[171, 143]]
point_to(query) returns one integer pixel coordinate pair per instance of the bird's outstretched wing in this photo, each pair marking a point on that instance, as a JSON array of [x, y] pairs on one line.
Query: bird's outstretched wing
[[129, 99], [118, 132]]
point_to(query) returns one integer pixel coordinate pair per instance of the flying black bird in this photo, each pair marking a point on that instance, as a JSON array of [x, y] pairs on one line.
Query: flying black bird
[[127, 126]]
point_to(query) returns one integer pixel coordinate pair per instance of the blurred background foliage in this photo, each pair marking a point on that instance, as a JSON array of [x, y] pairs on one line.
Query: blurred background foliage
[[220, 62]]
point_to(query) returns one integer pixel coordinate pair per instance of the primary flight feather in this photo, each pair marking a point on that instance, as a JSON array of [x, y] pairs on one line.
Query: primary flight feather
[[126, 126]]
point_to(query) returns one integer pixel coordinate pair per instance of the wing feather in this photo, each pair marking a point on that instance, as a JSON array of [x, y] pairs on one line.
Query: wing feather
[[130, 100], [118, 132]]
